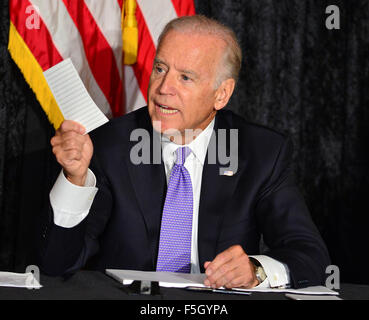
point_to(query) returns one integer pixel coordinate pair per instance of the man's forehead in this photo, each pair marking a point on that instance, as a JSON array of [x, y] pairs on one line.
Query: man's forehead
[[191, 39], [186, 46]]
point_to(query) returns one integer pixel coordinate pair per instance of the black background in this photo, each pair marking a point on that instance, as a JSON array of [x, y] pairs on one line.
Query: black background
[[297, 77]]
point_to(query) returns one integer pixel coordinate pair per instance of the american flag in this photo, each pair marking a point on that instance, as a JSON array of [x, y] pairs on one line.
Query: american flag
[[45, 32]]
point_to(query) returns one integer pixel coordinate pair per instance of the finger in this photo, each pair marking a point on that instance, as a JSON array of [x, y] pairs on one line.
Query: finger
[[72, 155], [237, 273], [212, 268], [60, 136], [72, 135], [218, 261], [72, 144], [69, 125], [69, 140], [226, 273], [69, 158], [55, 140], [57, 150], [225, 278], [66, 158], [223, 258], [240, 282], [72, 141], [244, 276]]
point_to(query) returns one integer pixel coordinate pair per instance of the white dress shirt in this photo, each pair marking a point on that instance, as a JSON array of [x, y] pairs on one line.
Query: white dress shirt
[[72, 203]]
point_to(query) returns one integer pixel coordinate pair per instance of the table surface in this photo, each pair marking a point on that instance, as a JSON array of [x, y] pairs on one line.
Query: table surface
[[94, 285]]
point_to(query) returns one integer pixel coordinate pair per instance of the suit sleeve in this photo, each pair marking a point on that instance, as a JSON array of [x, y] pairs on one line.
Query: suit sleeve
[[287, 227], [65, 250]]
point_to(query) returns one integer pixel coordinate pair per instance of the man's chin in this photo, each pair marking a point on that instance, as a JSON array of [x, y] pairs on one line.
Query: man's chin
[[170, 133]]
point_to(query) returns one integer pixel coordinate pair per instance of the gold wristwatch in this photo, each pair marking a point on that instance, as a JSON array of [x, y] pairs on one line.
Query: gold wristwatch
[[259, 271], [260, 274]]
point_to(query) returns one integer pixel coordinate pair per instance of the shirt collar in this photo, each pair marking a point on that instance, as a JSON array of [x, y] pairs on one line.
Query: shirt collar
[[198, 146]]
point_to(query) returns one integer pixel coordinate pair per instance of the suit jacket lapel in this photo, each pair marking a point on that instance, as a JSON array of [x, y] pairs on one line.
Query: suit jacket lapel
[[216, 193], [149, 184]]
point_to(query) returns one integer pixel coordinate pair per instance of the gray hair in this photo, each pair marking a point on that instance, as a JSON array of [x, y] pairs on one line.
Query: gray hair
[[232, 57]]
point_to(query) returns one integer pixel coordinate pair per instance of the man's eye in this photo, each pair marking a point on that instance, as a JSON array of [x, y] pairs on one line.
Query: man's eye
[[185, 78], [159, 70]]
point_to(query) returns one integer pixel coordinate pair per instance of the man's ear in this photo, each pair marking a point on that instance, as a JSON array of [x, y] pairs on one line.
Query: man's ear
[[224, 93]]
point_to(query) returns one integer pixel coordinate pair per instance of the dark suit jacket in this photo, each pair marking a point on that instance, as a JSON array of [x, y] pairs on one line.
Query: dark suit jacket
[[123, 226]]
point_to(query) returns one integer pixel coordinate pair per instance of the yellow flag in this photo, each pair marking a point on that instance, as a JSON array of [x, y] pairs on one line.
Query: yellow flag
[[130, 31]]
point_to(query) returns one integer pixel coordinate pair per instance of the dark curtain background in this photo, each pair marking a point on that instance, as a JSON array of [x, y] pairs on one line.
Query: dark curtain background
[[297, 77], [24, 160]]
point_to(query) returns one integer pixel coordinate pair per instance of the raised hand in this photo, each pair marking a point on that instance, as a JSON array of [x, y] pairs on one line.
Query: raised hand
[[73, 150]]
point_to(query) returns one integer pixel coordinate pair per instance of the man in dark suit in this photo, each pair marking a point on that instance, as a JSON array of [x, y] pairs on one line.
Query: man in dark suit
[[114, 214]]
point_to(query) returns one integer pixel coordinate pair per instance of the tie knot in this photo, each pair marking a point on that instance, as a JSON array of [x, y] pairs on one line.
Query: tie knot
[[182, 153]]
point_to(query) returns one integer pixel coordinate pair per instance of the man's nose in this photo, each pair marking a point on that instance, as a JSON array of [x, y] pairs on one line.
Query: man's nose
[[167, 85]]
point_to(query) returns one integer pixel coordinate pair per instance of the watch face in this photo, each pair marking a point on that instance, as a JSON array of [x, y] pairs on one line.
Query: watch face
[[260, 274]]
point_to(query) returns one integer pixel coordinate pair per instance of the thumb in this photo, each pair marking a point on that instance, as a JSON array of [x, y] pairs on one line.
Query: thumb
[[69, 125]]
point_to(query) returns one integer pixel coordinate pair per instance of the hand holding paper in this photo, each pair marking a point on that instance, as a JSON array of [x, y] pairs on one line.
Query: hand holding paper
[[72, 97], [73, 150], [71, 144]]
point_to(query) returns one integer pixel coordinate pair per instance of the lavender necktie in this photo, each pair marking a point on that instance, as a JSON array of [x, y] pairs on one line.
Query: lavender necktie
[[176, 224]]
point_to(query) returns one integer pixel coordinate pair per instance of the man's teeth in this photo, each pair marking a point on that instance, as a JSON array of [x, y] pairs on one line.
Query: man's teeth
[[164, 109]]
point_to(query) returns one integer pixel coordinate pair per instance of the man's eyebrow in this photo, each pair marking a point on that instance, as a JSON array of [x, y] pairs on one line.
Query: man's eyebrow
[[157, 60], [191, 72]]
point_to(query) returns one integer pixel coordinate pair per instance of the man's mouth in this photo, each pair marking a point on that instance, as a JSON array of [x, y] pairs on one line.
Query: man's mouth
[[165, 109]]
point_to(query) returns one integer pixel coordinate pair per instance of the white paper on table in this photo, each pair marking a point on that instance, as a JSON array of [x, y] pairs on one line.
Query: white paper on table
[[311, 297], [315, 290], [19, 280], [165, 279], [183, 280], [72, 97]]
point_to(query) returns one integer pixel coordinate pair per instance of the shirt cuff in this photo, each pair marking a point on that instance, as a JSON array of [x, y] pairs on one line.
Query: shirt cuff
[[277, 273], [71, 203]]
